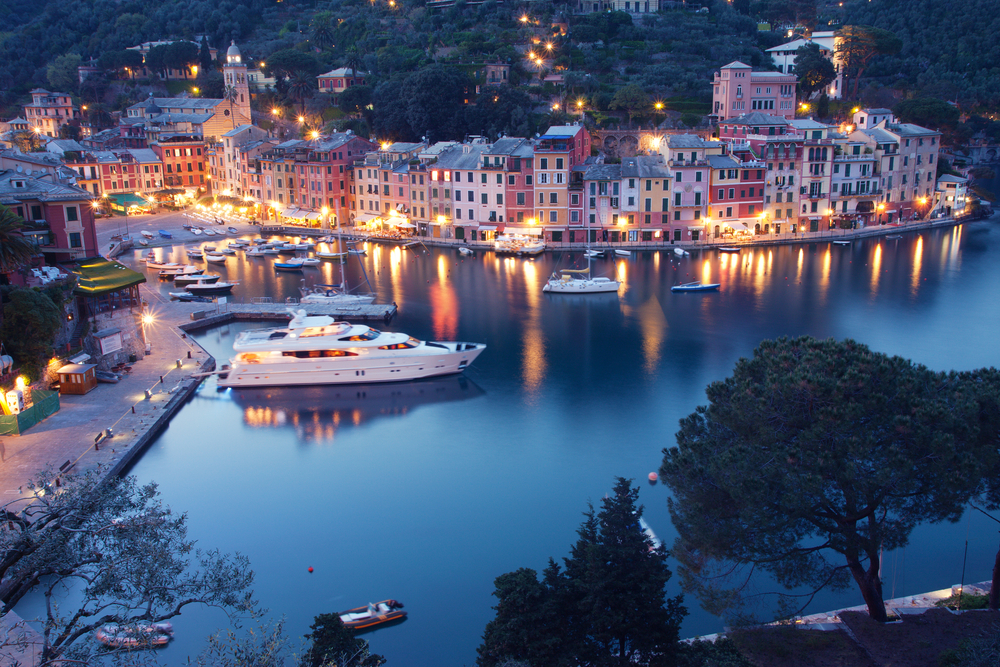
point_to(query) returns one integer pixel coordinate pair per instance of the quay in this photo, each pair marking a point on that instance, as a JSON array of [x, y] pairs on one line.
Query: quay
[[279, 312], [785, 238]]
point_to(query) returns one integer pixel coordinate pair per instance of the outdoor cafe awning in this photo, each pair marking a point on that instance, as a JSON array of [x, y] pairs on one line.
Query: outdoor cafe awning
[[531, 231], [487, 228], [406, 225]]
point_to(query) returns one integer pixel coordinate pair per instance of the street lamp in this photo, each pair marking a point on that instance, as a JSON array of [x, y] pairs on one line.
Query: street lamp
[[881, 207], [147, 319]]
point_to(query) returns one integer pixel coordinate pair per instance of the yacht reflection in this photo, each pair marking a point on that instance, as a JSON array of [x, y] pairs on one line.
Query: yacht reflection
[[317, 412]]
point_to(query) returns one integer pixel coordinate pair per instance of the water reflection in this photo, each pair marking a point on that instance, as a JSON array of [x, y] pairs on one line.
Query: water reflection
[[654, 329], [918, 255], [316, 413], [533, 361], [876, 269]]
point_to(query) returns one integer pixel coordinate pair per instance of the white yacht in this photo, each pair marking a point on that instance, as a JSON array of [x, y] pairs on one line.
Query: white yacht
[[578, 281], [334, 295], [314, 350]]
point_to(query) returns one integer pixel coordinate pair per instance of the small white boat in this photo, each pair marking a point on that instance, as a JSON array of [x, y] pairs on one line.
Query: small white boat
[[728, 248], [681, 252], [195, 252], [622, 253], [141, 634], [330, 255], [198, 278], [196, 231], [228, 250], [143, 242], [208, 248], [183, 270], [148, 235], [333, 295], [232, 230], [461, 249], [578, 281], [594, 253], [310, 261], [209, 232], [841, 243], [650, 534], [216, 258], [271, 251], [201, 289], [259, 241], [151, 264], [255, 252]]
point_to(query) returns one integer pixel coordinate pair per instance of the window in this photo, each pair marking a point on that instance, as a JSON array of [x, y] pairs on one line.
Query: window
[[553, 216], [697, 176], [520, 199], [499, 200], [722, 194], [543, 163], [528, 180], [484, 199], [559, 163], [680, 177], [74, 240], [677, 199], [71, 214]]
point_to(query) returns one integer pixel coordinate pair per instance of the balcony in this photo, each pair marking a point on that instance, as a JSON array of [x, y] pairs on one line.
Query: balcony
[[687, 163], [493, 167], [816, 195]]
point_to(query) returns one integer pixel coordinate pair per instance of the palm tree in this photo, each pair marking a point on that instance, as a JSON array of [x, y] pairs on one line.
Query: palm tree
[[15, 248], [354, 63], [232, 94], [301, 88], [322, 30]]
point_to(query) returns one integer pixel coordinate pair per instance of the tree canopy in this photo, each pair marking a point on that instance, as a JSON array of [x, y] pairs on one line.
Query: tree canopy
[[335, 644], [608, 607], [126, 555], [811, 458], [30, 322], [928, 112], [815, 71]]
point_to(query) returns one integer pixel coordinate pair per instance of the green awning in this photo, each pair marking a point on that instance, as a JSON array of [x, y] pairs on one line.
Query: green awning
[[96, 276]]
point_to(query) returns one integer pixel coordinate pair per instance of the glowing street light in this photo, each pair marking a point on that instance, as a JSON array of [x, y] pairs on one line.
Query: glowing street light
[[314, 134], [548, 45], [524, 18], [275, 111], [302, 119]]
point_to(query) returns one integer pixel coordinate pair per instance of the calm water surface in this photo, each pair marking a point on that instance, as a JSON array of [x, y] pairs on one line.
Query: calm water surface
[[426, 492]]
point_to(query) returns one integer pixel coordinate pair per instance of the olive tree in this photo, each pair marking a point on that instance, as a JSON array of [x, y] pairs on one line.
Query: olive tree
[[125, 557]]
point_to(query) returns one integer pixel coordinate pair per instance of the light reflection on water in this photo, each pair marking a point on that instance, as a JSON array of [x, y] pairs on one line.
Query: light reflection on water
[[429, 502]]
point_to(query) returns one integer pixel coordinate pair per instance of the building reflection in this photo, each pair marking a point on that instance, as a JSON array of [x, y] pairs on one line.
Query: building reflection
[[316, 413]]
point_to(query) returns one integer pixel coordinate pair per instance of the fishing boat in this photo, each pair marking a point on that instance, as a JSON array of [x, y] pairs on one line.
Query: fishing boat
[[462, 250], [216, 258], [622, 253], [373, 615], [841, 243], [140, 634], [695, 287], [203, 289], [232, 230], [288, 266], [728, 248], [165, 234], [147, 234], [318, 350], [202, 278], [681, 252]]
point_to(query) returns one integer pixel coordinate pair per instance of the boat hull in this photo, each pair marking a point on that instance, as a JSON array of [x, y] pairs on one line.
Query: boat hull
[[363, 369], [580, 286]]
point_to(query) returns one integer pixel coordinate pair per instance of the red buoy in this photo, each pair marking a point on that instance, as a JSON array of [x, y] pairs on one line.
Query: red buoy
[[653, 477], [310, 569]]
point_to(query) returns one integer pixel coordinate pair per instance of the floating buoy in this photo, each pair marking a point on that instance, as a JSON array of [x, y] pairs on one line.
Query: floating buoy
[[310, 569], [653, 477]]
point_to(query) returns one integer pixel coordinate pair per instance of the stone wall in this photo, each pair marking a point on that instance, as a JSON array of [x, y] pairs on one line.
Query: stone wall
[[129, 322]]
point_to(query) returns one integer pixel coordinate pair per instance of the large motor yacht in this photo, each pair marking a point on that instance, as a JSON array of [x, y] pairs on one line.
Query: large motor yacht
[[315, 350]]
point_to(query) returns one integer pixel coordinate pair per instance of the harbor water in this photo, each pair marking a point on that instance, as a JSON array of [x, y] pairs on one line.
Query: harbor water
[[426, 491]]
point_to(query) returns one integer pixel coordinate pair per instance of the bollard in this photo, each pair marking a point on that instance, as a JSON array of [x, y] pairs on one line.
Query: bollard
[[178, 363], [161, 379], [149, 395], [133, 409], [189, 354]]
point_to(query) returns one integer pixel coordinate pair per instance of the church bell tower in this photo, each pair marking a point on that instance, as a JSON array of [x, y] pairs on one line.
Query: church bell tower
[[235, 74]]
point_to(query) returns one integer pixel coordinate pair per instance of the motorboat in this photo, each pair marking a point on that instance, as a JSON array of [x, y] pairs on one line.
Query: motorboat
[[294, 265], [163, 265], [728, 248], [333, 295], [841, 243], [259, 241], [148, 257], [195, 253], [188, 296], [143, 242], [228, 250], [216, 258], [623, 253], [147, 234], [594, 253], [271, 251], [199, 278], [208, 248], [209, 231], [695, 287], [197, 231], [202, 289], [256, 252], [373, 615], [314, 350], [321, 254], [165, 234], [106, 377], [532, 247], [232, 230], [310, 261], [654, 540], [578, 281], [893, 237], [182, 270], [461, 249], [141, 634], [681, 252]]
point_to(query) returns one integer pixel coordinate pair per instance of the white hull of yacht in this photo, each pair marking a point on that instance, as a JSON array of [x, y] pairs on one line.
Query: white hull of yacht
[[433, 359]]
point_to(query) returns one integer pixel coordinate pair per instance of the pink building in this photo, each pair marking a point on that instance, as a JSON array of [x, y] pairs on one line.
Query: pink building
[[737, 90]]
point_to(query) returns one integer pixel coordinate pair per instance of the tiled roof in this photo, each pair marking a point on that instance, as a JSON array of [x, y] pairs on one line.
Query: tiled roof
[[687, 141], [42, 189]]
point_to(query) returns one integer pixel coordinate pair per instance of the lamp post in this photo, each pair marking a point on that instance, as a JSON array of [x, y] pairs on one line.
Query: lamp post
[[881, 207], [147, 319]]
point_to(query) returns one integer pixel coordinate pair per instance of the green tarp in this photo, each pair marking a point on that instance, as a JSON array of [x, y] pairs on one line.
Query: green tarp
[[45, 403]]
